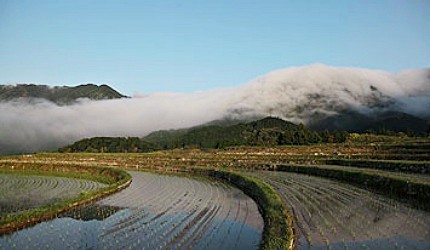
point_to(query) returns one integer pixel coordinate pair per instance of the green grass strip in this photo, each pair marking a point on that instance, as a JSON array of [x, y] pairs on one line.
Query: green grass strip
[[75, 175], [417, 167], [117, 180], [278, 232]]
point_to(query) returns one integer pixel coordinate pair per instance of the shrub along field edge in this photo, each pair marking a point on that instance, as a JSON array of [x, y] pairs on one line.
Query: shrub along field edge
[[116, 178]]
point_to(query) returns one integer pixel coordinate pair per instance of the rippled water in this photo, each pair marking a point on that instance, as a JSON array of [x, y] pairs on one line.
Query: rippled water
[[156, 211], [333, 215]]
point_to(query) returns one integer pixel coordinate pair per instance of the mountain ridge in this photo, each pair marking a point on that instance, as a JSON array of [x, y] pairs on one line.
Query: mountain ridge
[[269, 131], [297, 93], [60, 95], [318, 93], [319, 96]]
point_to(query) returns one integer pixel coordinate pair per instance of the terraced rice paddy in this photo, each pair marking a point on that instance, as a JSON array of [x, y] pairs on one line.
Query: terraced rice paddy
[[332, 215], [172, 212], [155, 212], [20, 192]]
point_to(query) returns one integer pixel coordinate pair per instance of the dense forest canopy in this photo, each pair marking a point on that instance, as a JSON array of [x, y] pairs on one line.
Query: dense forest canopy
[[109, 145], [265, 132]]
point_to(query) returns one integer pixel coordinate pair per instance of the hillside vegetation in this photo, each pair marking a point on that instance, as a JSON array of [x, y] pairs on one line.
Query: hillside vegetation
[[267, 132], [385, 123], [60, 95], [109, 145]]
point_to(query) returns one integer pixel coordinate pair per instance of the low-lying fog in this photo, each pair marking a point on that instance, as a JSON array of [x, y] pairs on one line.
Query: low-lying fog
[[293, 93]]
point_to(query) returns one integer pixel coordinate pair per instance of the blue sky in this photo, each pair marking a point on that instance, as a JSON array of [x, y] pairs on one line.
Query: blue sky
[[187, 46]]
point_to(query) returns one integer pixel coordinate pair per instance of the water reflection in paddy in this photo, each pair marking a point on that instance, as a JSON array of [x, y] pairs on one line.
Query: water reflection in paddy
[[156, 211]]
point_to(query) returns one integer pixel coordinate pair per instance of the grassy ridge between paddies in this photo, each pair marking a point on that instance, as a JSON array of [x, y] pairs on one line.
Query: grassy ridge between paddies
[[412, 192], [278, 232], [417, 167], [115, 178]]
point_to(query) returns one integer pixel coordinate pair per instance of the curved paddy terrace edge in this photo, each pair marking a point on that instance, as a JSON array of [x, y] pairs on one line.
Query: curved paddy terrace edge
[[277, 232], [404, 185], [115, 179]]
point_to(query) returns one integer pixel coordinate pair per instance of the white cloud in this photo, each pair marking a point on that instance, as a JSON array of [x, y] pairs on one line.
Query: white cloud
[[293, 93]]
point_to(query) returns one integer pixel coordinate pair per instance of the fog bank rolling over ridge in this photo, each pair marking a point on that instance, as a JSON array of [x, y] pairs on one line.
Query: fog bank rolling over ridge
[[299, 94], [46, 126]]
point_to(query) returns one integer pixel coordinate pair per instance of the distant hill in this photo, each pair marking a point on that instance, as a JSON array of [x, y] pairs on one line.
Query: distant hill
[[342, 98], [109, 145], [265, 132], [301, 92], [381, 123], [174, 138], [60, 95]]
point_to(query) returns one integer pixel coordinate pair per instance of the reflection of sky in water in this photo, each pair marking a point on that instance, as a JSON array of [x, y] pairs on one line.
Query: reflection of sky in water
[[330, 214], [155, 211], [23, 192], [381, 244], [71, 233]]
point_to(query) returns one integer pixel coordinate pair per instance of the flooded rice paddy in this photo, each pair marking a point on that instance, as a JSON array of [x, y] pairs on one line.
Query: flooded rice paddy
[[155, 212], [21, 192], [333, 215]]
